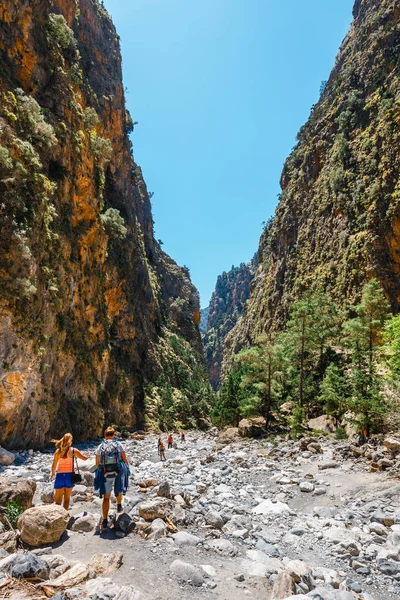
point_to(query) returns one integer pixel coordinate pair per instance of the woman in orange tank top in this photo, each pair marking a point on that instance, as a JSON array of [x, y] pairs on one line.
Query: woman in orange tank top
[[64, 463]]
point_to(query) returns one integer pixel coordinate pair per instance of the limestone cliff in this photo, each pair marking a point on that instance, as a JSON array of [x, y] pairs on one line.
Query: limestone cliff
[[89, 303], [231, 293], [338, 220]]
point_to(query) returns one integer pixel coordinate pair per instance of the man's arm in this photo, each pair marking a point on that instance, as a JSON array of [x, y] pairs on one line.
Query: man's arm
[[124, 458]]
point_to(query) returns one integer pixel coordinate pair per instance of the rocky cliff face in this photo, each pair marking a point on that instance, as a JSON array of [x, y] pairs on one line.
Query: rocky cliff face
[[226, 306], [338, 220], [89, 302]]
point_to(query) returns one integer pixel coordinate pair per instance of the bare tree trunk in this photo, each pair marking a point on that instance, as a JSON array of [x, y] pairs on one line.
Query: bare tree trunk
[[301, 387]]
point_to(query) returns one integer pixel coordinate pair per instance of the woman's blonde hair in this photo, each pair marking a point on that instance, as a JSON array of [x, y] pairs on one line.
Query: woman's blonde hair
[[64, 444]]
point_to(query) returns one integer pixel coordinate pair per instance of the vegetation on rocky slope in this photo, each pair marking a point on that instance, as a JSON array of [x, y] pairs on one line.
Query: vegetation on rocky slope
[[335, 229], [337, 222], [231, 293], [90, 305], [324, 362]]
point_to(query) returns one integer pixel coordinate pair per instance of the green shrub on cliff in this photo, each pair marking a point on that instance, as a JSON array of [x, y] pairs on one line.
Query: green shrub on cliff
[[113, 223], [59, 32]]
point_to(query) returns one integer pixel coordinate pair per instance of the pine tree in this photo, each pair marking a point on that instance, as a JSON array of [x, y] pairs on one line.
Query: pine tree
[[264, 363], [334, 392], [363, 336], [312, 325], [392, 347], [227, 406]]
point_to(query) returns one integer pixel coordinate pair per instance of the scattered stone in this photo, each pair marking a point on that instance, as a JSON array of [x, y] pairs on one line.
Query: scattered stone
[[6, 457], [72, 577], [283, 587], [8, 541], [157, 529], [47, 495], [83, 522], [106, 564], [29, 566], [210, 571], [223, 547], [186, 539], [267, 507], [187, 572], [306, 486], [164, 490], [154, 509], [214, 519]]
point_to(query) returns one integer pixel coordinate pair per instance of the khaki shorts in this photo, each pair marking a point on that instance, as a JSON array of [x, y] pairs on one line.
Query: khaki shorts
[[109, 484]]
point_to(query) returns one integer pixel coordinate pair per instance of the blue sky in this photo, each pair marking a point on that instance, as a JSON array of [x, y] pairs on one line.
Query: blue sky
[[220, 89]]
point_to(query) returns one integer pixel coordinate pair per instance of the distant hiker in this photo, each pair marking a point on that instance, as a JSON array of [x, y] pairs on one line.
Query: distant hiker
[[170, 440], [161, 449], [63, 463], [183, 439], [112, 472]]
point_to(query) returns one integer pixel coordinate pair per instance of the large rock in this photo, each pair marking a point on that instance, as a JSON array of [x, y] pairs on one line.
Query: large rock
[[392, 444], [17, 490], [229, 435], [187, 572], [124, 523], [74, 576], [30, 566], [43, 524], [6, 458], [323, 423], [253, 427], [154, 509]]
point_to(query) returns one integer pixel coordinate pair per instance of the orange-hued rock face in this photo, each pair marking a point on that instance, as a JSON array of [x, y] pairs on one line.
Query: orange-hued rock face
[[86, 291]]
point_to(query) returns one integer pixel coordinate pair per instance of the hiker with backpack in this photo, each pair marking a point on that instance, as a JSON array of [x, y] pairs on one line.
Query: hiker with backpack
[[65, 458], [112, 473]]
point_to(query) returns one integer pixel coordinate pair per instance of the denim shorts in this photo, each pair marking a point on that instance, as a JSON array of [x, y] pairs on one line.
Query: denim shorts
[[63, 480]]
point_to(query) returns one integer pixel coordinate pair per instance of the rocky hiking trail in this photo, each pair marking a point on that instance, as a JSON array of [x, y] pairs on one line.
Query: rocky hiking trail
[[223, 518]]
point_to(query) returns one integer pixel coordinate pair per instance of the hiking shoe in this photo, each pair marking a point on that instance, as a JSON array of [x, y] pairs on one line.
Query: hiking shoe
[[104, 525], [119, 508]]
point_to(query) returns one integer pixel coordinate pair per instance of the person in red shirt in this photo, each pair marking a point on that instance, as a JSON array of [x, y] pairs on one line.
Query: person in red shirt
[[170, 440]]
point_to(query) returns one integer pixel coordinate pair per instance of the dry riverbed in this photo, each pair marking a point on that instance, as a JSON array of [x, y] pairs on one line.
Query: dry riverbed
[[234, 520]]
